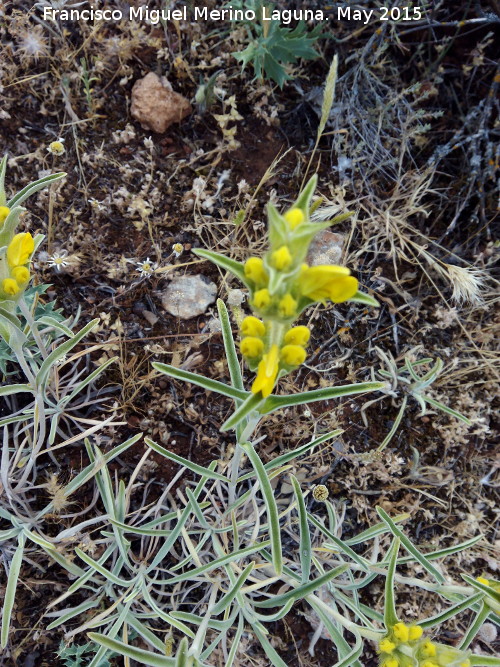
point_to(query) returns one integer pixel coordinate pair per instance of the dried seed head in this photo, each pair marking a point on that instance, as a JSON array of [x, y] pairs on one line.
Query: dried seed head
[[320, 493]]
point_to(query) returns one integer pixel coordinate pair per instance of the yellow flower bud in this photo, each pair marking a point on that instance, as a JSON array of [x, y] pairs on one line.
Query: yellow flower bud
[[401, 632], [262, 299], [294, 217], [415, 632], [298, 336], [282, 258], [293, 355], [20, 274], [287, 306], [483, 580], [19, 249], [428, 650], [392, 662], [4, 212], [255, 271], [465, 664], [267, 373], [10, 286], [429, 663], [252, 326], [251, 347], [386, 646]]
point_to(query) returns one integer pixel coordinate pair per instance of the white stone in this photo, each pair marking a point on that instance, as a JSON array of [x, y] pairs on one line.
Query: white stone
[[189, 296]]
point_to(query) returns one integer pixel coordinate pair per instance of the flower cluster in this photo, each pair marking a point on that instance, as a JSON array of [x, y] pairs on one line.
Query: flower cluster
[[281, 286], [404, 645], [14, 260]]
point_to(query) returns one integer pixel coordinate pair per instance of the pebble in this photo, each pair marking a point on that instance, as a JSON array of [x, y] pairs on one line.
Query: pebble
[[326, 248], [189, 296], [155, 105]]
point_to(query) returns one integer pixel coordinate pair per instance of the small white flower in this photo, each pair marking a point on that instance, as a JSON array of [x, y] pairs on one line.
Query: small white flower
[[177, 249], [146, 268], [58, 260], [56, 147]]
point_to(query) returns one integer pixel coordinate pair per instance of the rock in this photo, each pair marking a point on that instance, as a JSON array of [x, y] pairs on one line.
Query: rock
[[155, 105], [326, 248], [188, 296]]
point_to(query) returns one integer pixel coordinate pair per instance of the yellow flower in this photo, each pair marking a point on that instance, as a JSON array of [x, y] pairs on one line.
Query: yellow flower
[[20, 274], [429, 663], [320, 283], [20, 249], [262, 298], [483, 581], [392, 662], [252, 326], [293, 355], [465, 664], [428, 650], [255, 271], [294, 217], [415, 632], [10, 286], [267, 372], [56, 147], [4, 212], [401, 632], [386, 646], [287, 306], [298, 336], [282, 258], [251, 347]]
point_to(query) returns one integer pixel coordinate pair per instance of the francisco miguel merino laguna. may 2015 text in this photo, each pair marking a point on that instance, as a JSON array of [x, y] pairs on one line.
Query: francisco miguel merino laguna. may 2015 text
[[285, 16]]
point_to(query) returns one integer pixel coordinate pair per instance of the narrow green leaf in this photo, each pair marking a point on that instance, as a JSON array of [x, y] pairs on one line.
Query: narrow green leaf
[[353, 655], [305, 536], [390, 614], [226, 600], [427, 565], [273, 402], [445, 408], [143, 657], [366, 299], [339, 544], [9, 389], [90, 378], [447, 551], [251, 404], [101, 569], [303, 590], [194, 467], [30, 189], [201, 381], [272, 509], [276, 661], [378, 529], [438, 619], [145, 632], [229, 346], [484, 660], [87, 473], [10, 591], [217, 562], [67, 614], [231, 265], [62, 350], [490, 592], [236, 641]]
